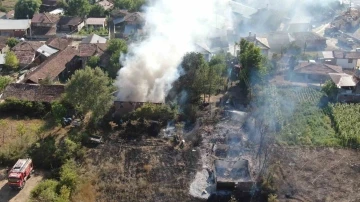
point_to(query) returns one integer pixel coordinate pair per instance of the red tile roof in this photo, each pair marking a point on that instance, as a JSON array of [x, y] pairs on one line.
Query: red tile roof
[[25, 51], [72, 21], [58, 43], [317, 68], [87, 50], [33, 92], [52, 67], [45, 18]]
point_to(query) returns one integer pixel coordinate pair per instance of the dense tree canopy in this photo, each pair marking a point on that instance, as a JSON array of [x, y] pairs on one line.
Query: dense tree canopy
[[11, 60], [26, 8], [11, 42], [78, 8], [115, 49], [4, 81], [90, 90], [97, 11], [252, 65], [132, 5]]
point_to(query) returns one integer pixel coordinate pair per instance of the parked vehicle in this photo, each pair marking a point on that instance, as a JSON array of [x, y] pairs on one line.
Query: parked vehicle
[[19, 173], [94, 139]]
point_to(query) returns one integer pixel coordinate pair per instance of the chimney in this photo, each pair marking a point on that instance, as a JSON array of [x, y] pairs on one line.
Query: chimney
[[249, 33]]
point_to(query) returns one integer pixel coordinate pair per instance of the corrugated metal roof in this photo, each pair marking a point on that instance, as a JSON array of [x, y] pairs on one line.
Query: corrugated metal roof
[[47, 50], [343, 79], [328, 54], [2, 59], [14, 24], [95, 21]]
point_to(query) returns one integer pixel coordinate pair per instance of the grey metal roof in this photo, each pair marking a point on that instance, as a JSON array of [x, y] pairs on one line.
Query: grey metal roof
[[2, 59], [94, 38], [47, 50], [14, 24], [242, 9]]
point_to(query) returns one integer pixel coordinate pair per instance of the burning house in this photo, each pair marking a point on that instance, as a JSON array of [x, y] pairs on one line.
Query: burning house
[[233, 175]]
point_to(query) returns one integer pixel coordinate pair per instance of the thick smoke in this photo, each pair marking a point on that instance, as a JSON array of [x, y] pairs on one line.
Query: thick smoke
[[173, 28]]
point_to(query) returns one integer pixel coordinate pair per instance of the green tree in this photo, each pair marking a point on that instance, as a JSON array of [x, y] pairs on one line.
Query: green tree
[[97, 11], [62, 4], [68, 175], [11, 60], [253, 69], [115, 45], [330, 89], [58, 111], [26, 8], [78, 8], [90, 90], [11, 42], [132, 5], [115, 49], [45, 191], [93, 61], [4, 81]]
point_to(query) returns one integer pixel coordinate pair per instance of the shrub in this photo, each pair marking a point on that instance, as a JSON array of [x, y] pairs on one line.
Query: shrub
[[68, 175], [330, 89], [45, 191], [69, 149], [27, 108], [4, 81], [58, 111], [158, 112]]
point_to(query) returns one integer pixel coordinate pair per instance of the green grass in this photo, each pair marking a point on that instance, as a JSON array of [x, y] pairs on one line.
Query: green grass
[[8, 4]]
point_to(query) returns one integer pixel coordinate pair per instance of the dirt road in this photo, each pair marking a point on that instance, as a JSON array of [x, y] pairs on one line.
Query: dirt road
[[6, 194]]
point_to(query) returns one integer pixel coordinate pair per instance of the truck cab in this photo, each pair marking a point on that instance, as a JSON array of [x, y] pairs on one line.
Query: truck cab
[[19, 173]]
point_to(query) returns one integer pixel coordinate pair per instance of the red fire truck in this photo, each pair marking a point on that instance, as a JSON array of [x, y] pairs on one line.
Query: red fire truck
[[19, 173]]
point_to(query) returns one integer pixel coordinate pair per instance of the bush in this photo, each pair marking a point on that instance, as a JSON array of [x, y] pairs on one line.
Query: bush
[[44, 155], [4, 81], [330, 89], [27, 108], [69, 149], [157, 112], [58, 111], [68, 175], [45, 191]]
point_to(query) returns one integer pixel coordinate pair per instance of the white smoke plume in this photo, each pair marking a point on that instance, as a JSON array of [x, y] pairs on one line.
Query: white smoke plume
[[173, 27]]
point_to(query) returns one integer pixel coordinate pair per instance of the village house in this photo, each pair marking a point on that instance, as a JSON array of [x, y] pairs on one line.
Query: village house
[[3, 15], [259, 42], [241, 13], [58, 43], [70, 24], [95, 39], [96, 23], [3, 46], [348, 87], [45, 52], [107, 5], [58, 11], [14, 28], [43, 25], [127, 23], [202, 48], [10, 14], [299, 25], [33, 92], [347, 60], [313, 72], [86, 50], [57, 68], [309, 40], [26, 53]]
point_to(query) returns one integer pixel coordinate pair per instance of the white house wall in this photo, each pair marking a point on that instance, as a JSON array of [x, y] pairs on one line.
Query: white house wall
[[344, 63]]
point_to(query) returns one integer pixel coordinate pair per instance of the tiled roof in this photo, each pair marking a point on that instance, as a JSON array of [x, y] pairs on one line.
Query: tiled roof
[[67, 20], [25, 51], [32, 92], [346, 55], [58, 43], [44, 31], [317, 68], [3, 40], [307, 36], [45, 18], [52, 67], [343, 79], [87, 50]]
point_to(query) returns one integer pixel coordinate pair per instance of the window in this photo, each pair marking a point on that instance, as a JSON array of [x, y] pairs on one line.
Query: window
[[350, 61]]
